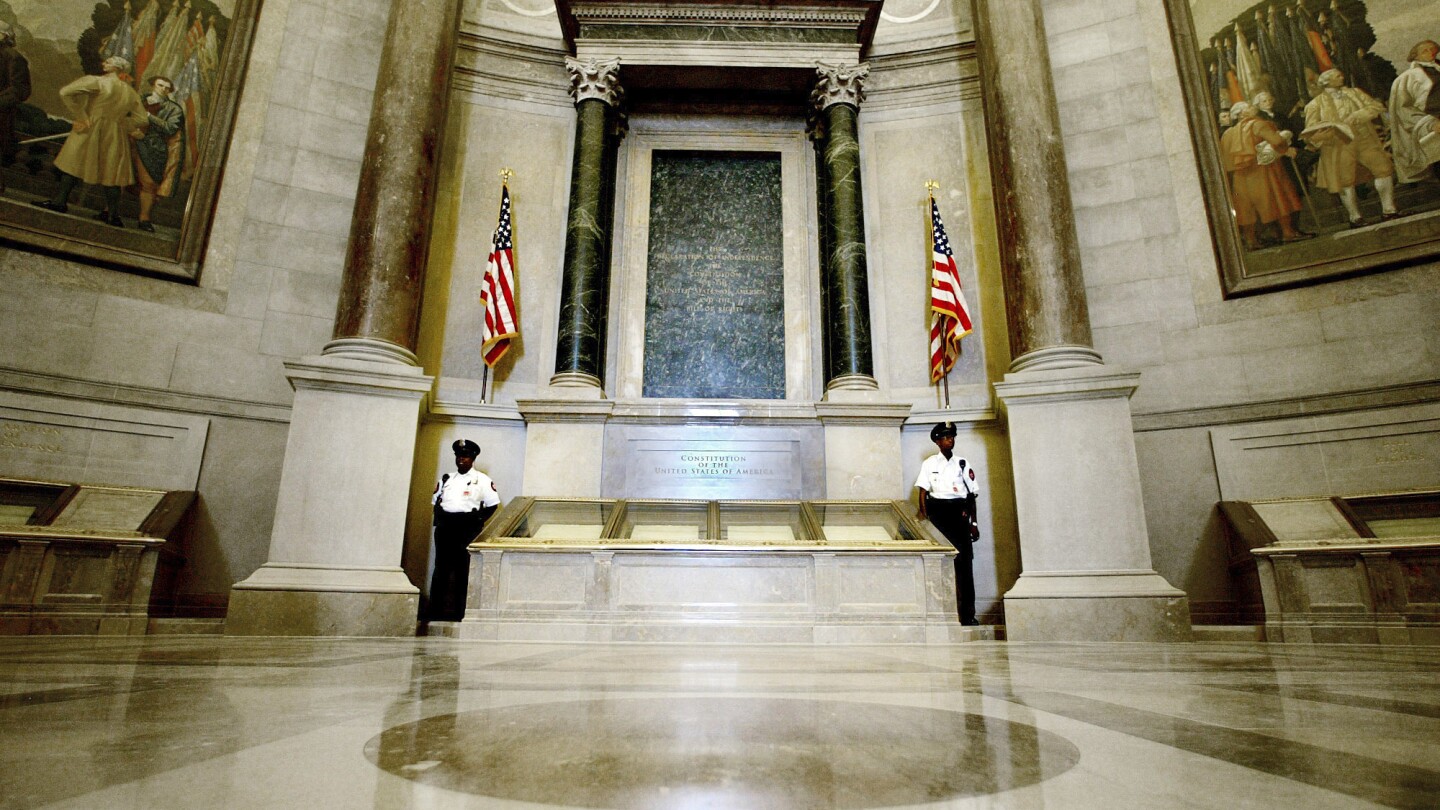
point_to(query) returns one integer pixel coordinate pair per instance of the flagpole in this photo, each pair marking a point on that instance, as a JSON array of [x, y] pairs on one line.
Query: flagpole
[[930, 186], [489, 301]]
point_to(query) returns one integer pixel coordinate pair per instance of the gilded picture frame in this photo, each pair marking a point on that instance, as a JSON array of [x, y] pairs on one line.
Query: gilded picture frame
[[177, 144], [1312, 203]]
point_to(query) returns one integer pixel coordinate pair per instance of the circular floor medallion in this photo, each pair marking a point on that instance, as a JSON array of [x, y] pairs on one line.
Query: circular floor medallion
[[721, 753]]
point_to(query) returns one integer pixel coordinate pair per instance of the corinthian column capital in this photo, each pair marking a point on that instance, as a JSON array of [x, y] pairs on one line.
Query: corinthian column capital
[[595, 78], [839, 84]]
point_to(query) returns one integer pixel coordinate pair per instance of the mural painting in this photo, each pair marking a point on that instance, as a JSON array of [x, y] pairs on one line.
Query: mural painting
[[1317, 132], [114, 119]]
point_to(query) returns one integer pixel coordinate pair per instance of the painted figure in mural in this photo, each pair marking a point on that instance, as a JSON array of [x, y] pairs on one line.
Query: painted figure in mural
[[1415, 115], [108, 112], [948, 491], [1262, 193], [14, 88], [160, 152], [1340, 122]]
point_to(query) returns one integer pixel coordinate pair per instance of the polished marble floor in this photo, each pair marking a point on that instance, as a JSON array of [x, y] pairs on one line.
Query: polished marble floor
[[210, 722]]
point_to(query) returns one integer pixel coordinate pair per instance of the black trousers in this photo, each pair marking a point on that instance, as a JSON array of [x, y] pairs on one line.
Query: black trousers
[[454, 531], [952, 517]]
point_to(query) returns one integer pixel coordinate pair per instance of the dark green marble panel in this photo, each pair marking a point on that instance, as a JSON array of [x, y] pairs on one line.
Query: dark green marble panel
[[715, 290]]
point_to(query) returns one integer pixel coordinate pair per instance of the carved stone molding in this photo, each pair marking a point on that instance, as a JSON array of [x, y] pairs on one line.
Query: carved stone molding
[[595, 78], [839, 84]]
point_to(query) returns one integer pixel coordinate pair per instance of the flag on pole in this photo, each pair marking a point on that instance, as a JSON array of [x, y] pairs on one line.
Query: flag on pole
[[497, 292], [949, 317]]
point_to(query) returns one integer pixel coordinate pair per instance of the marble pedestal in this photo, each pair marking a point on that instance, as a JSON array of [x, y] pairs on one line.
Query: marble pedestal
[[334, 563], [1083, 542], [862, 444], [1351, 591], [564, 442], [803, 597]]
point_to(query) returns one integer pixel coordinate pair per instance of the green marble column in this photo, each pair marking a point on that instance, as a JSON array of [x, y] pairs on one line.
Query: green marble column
[[844, 281], [585, 285]]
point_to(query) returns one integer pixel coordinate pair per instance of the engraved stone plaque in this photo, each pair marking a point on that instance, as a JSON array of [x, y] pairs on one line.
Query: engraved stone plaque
[[715, 302], [713, 462]]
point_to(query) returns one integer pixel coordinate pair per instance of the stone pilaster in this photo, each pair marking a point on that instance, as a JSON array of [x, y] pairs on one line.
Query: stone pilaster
[[585, 282], [1083, 540], [836, 98], [333, 566]]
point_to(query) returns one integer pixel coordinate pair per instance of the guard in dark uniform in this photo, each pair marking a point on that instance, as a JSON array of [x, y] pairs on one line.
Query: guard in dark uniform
[[948, 490], [462, 503]]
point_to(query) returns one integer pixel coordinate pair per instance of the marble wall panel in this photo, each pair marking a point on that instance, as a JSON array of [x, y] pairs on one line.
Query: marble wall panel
[[484, 136], [670, 582], [902, 154], [544, 582], [881, 586], [92, 442], [228, 535], [1340, 454], [715, 291], [1187, 547], [652, 134]]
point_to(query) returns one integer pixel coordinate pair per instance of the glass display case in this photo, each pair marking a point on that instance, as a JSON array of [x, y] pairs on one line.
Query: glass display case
[[651, 524]]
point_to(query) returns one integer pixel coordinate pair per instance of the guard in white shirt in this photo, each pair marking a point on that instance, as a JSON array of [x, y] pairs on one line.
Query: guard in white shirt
[[948, 489], [462, 504]]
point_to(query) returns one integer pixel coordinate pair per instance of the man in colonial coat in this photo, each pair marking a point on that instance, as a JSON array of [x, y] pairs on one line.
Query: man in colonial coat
[[1415, 115], [1340, 122], [14, 88], [161, 151], [107, 113], [1261, 191]]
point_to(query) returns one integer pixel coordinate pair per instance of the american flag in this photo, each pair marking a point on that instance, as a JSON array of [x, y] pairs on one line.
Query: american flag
[[949, 317], [497, 294]]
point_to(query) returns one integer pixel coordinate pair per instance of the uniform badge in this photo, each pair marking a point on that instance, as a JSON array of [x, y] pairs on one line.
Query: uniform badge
[[972, 475]]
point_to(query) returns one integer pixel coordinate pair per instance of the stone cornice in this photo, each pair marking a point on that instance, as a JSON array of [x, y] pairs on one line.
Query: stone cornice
[[758, 14], [857, 16]]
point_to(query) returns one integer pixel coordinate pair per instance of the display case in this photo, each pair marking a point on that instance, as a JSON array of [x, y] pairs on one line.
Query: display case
[[85, 559], [569, 523], [1352, 569], [577, 569]]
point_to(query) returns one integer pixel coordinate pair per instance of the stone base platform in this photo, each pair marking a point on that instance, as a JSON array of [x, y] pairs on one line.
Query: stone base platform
[[711, 596]]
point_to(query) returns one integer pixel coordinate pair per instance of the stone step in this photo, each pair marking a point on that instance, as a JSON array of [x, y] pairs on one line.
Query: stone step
[[984, 632], [186, 627], [1228, 632]]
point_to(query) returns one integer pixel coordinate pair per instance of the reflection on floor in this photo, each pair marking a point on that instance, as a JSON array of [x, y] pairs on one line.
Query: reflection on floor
[[240, 723]]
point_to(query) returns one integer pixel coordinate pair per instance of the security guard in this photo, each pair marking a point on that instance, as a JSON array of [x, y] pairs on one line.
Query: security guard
[[948, 490], [462, 504]]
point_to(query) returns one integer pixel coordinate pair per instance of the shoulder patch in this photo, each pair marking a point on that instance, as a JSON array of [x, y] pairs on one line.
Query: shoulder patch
[[972, 474]]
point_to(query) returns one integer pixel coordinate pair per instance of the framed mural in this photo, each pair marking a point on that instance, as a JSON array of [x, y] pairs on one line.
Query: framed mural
[[1317, 134], [115, 119]]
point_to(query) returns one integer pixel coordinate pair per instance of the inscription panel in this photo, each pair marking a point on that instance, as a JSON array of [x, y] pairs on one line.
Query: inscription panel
[[95, 442], [1367, 451], [705, 462], [715, 282]]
